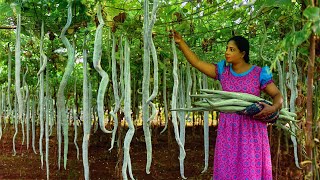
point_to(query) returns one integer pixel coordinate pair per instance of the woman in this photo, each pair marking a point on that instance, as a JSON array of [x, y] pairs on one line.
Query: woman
[[242, 148]]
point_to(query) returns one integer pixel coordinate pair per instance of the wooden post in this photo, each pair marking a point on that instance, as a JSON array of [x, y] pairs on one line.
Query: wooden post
[[309, 138]]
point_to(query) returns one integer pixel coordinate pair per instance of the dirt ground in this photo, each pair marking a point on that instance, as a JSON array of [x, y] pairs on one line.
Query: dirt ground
[[165, 163]]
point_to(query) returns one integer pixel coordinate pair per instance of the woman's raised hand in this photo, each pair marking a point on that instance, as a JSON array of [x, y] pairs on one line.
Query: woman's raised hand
[[177, 37]]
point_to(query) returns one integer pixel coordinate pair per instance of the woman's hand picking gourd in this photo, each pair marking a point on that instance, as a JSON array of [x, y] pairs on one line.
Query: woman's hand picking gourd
[[177, 37]]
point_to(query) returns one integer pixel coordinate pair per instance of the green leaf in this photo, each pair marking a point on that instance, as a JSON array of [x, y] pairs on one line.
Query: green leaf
[[5, 9], [298, 37], [316, 27], [278, 3], [304, 51], [183, 27], [312, 13], [184, 10]]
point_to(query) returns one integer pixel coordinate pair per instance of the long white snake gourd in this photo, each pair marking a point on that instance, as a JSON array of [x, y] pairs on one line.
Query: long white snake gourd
[[3, 104], [41, 93], [60, 95], [182, 121], [47, 99], [9, 87], [75, 119], [1, 110], [164, 92], [52, 113], [174, 100], [113, 113], [33, 124], [97, 52], [17, 77], [145, 87], [205, 130], [3, 97], [27, 116], [293, 78], [15, 126], [25, 97], [155, 77], [146, 100], [189, 87], [86, 113], [127, 113]]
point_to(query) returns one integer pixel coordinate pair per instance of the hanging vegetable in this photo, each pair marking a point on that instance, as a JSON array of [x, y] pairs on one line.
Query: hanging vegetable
[[41, 95], [182, 120], [127, 113], [114, 112], [33, 124], [75, 119], [164, 92], [15, 126], [17, 74], [174, 103], [24, 97], [1, 110], [292, 85], [189, 87], [86, 111], [47, 100], [27, 116], [146, 99], [9, 87], [205, 130], [60, 95], [155, 79], [97, 52]]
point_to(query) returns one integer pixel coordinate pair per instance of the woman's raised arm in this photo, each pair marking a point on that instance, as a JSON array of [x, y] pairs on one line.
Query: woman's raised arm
[[206, 68]]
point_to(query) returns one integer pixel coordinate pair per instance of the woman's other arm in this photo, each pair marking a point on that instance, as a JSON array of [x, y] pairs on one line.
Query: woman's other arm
[[272, 90]]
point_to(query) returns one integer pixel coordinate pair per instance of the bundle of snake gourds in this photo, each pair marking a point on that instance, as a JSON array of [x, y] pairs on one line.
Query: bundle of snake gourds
[[223, 101]]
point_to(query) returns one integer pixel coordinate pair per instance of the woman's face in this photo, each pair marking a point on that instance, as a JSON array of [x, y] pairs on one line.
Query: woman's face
[[233, 54]]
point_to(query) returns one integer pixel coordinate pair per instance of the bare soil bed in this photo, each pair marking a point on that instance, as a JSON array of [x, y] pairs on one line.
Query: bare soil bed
[[103, 164]]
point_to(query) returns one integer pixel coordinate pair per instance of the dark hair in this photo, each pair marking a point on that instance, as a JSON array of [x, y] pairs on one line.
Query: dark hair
[[243, 45]]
